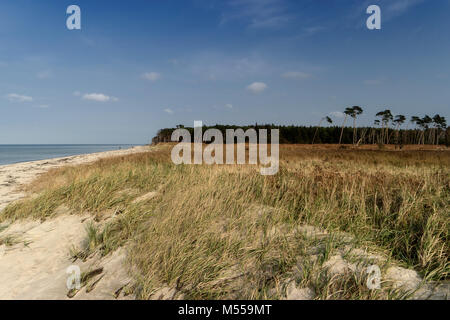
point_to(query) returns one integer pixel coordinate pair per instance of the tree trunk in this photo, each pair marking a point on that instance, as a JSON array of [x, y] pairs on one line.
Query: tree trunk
[[342, 129], [387, 133], [315, 133]]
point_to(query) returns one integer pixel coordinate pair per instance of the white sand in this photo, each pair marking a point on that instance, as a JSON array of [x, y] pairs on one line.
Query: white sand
[[35, 266]]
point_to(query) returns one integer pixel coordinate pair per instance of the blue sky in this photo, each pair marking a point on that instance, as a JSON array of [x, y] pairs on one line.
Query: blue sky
[[137, 66]]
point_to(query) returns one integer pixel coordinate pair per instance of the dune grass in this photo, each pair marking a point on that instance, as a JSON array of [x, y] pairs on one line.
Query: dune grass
[[228, 232]]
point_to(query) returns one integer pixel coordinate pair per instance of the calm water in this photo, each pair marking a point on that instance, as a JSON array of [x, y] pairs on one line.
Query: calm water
[[21, 153]]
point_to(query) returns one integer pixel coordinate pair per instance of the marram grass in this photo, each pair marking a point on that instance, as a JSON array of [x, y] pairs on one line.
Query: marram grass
[[228, 232]]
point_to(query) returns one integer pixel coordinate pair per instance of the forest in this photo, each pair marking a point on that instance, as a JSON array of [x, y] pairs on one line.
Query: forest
[[387, 129]]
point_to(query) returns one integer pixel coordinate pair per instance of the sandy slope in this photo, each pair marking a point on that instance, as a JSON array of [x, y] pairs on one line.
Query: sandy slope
[[34, 266]]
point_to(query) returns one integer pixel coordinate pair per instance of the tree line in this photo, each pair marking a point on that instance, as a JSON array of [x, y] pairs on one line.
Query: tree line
[[387, 129]]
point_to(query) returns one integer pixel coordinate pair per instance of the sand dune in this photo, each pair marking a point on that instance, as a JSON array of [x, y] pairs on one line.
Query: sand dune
[[34, 264]]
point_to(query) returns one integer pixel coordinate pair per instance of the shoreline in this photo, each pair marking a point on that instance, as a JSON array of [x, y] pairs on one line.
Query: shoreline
[[57, 156], [15, 175]]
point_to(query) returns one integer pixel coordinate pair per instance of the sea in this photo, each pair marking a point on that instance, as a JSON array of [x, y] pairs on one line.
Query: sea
[[22, 153]]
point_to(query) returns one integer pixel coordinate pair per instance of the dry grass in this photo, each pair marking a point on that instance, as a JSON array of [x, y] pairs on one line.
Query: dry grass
[[228, 232]]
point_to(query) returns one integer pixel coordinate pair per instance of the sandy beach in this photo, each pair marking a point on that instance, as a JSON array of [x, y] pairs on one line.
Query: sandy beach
[[12, 176], [35, 265]]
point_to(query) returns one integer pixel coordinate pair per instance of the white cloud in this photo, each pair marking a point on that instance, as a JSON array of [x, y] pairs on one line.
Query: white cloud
[[14, 97], [229, 106], [372, 82], [152, 76], [270, 22], [212, 66], [169, 111], [313, 30], [295, 75], [390, 9], [337, 114], [259, 13], [44, 74], [396, 7], [88, 41], [99, 97], [257, 87]]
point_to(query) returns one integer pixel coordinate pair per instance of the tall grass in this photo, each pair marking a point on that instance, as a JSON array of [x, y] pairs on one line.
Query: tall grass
[[228, 232]]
